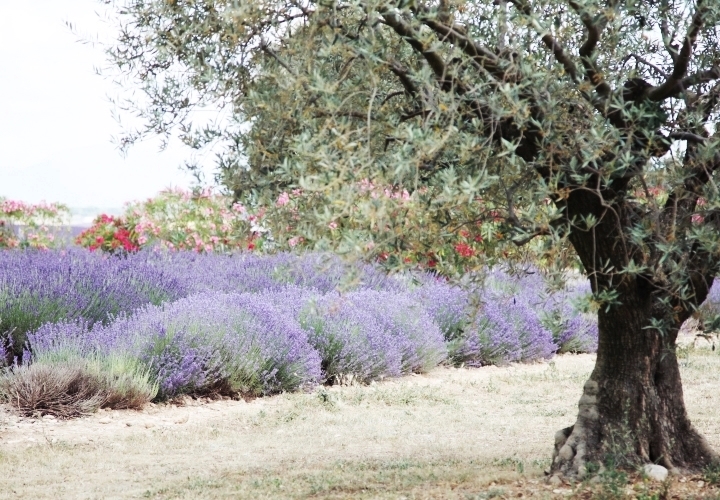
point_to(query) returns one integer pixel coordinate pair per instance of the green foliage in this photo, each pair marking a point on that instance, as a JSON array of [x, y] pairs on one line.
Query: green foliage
[[711, 474], [439, 132]]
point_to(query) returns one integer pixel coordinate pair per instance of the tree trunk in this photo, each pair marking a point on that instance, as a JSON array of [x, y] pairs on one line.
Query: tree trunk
[[632, 410]]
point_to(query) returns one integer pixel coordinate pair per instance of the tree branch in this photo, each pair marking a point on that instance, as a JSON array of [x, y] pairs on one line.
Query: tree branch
[[688, 136], [403, 75], [701, 77], [408, 34], [646, 62], [594, 28], [673, 84], [557, 49], [665, 32], [482, 56]]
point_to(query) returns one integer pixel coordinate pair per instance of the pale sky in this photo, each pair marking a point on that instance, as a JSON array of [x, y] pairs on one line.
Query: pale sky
[[55, 119]]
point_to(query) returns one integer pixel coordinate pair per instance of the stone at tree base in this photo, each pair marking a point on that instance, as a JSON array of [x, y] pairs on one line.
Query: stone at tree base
[[655, 472], [555, 480]]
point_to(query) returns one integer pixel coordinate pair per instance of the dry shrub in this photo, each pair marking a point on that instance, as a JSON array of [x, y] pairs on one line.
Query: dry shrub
[[64, 391], [72, 388]]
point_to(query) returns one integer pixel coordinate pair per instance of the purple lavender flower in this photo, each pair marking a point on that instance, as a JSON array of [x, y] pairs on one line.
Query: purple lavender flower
[[368, 334], [708, 314], [507, 326], [239, 342], [447, 304], [39, 287]]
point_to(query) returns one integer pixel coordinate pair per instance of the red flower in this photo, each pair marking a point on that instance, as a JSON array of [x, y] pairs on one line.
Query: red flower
[[251, 246], [464, 250]]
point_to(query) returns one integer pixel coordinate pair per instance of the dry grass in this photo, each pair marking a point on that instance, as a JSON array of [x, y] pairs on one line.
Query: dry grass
[[76, 387], [63, 391], [453, 433]]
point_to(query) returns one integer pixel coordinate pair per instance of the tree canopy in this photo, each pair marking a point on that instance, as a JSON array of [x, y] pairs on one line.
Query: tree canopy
[[586, 121]]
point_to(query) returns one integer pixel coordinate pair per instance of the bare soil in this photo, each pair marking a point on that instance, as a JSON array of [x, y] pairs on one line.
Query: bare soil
[[452, 433]]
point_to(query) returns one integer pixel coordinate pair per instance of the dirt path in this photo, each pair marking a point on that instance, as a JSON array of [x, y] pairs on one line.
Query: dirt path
[[453, 433]]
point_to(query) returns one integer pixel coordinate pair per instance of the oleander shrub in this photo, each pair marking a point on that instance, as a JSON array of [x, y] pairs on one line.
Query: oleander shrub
[[27, 225]]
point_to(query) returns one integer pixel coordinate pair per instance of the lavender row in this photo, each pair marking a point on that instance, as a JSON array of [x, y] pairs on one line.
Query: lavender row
[[258, 343], [72, 285], [208, 323]]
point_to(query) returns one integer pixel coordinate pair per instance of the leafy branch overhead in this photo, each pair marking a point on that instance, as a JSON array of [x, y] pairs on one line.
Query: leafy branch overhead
[[591, 105]]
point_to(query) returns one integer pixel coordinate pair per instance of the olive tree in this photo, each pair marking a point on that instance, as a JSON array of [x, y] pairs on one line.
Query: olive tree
[[583, 121]]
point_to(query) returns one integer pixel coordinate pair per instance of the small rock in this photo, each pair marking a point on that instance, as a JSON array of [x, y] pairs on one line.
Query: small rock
[[182, 420], [700, 484], [149, 425], [105, 420], [655, 472], [129, 424], [555, 480]]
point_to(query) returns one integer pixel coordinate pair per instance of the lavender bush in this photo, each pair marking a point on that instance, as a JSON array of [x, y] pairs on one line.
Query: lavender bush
[[448, 305], [203, 343], [40, 287], [573, 329], [518, 319], [66, 383], [708, 314], [367, 335], [505, 330]]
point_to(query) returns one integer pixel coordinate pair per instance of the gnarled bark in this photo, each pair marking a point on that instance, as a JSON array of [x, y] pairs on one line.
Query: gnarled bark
[[632, 409]]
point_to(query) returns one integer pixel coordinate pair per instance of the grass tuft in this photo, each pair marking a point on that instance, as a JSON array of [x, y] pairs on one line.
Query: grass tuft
[[62, 391]]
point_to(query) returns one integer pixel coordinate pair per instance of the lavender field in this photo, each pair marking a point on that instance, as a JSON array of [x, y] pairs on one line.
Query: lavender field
[[80, 330]]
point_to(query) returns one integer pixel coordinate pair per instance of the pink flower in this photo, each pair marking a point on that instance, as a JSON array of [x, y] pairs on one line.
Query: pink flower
[[283, 199], [333, 225], [294, 240]]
